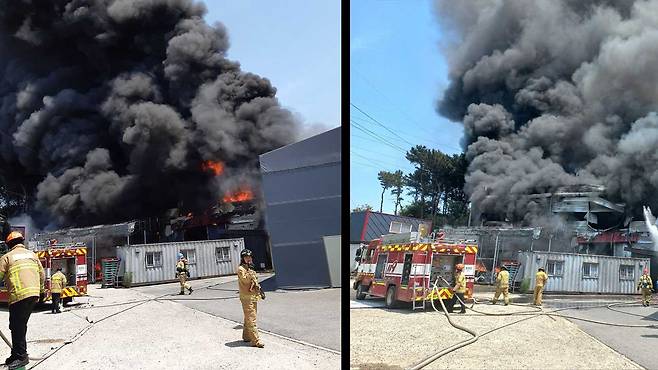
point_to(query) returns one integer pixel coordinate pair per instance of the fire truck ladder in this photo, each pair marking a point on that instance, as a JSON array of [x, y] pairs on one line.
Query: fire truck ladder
[[513, 269], [415, 304]]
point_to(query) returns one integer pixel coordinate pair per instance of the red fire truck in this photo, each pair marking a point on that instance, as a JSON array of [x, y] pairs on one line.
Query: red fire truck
[[406, 271], [72, 259]]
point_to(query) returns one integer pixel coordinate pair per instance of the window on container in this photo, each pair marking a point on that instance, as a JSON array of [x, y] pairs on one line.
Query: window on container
[[222, 254], [399, 227], [153, 259], [590, 270], [554, 268], [190, 255], [627, 272]]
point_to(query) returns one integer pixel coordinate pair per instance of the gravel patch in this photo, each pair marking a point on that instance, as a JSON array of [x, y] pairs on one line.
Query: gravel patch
[[401, 338]]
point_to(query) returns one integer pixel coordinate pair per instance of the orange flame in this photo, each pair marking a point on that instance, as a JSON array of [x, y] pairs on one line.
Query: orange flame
[[211, 166], [241, 195]]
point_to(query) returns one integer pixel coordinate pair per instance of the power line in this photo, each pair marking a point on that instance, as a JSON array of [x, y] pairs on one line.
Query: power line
[[370, 151], [375, 135], [375, 160], [421, 140], [381, 124], [390, 103], [364, 164]]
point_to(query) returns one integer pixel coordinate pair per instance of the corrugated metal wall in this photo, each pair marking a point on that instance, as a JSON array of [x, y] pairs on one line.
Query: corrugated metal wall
[[133, 259], [572, 279], [302, 190]]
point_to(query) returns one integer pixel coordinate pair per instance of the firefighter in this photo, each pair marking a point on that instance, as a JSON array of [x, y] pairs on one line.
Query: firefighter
[[502, 285], [250, 291], [647, 287], [183, 274], [460, 285], [540, 280], [24, 278], [57, 283]]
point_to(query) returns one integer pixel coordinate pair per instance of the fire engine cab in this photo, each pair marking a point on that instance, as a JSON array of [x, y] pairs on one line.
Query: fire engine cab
[[72, 259], [404, 267]]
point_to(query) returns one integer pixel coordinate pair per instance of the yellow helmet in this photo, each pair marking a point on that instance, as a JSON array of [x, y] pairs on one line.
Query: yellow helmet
[[13, 236]]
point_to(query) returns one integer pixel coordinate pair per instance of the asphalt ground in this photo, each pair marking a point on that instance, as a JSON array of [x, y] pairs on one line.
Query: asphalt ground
[[311, 316], [637, 344]]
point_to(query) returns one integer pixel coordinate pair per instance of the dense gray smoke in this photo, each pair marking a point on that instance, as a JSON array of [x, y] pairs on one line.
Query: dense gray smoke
[[110, 109], [554, 93]]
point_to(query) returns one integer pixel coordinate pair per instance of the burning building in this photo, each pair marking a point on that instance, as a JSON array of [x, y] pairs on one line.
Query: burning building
[[553, 94], [121, 110]]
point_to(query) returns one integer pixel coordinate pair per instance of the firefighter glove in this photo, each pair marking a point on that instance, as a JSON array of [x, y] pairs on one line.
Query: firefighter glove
[[262, 294]]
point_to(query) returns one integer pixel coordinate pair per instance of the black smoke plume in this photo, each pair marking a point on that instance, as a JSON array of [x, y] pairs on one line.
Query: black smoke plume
[[554, 93], [108, 108]]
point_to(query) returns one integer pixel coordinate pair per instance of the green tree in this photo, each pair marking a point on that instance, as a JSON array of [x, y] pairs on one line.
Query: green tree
[[397, 185], [362, 207], [386, 181], [418, 180]]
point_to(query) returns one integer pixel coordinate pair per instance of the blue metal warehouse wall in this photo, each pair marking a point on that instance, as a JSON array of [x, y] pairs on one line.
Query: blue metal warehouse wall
[[301, 185]]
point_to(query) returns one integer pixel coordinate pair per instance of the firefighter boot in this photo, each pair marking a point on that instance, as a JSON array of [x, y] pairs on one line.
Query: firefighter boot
[[190, 289], [19, 363], [181, 293], [9, 359]]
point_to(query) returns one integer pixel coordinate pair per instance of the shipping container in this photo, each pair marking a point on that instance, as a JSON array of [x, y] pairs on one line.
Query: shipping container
[[155, 263], [583, 273]]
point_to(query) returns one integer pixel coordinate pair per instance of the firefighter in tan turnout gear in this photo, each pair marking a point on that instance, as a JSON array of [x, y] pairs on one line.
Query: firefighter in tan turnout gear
[[646, 285], [540, 280], [57, 283], [24, 278], [183, 274], [502, 286], [460, 286], [250, 292]]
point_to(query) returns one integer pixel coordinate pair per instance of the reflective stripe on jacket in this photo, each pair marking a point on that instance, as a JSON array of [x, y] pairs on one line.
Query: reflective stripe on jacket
[[23, 273], [57, 282], [645, 282]]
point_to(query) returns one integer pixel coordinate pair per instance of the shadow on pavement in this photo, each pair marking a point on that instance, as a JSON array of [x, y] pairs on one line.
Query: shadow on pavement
[[237, 343]]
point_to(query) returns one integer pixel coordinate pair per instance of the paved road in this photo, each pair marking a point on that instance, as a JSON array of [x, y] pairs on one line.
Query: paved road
[[637, 344], [311, 316]]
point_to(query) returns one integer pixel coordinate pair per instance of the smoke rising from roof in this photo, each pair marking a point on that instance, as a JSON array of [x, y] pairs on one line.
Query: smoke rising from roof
[[554, 93], [108, 108]]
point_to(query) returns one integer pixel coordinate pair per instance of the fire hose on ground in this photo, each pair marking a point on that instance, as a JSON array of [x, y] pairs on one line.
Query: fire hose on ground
[[433, 357]]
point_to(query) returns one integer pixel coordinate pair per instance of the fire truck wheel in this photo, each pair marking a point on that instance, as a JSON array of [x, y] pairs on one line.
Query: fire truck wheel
[[360, 294], [66, 301], [391, 302]]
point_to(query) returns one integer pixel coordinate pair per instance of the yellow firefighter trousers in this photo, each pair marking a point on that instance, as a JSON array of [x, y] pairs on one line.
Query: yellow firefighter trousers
[[182, 278], [539, 291], [249, 329], [646, 295], [505, 291]]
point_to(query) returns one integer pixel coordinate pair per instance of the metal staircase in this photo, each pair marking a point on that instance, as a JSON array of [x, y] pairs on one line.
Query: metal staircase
[[513, 269]]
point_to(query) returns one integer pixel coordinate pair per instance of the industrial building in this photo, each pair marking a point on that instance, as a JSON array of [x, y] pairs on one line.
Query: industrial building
[[302, 192]]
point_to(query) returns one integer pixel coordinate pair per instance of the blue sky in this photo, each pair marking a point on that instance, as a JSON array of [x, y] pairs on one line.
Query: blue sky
[[396, 75], [293, 43]]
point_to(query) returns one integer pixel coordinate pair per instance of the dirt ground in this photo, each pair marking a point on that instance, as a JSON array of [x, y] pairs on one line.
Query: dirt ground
[[401, 338]]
